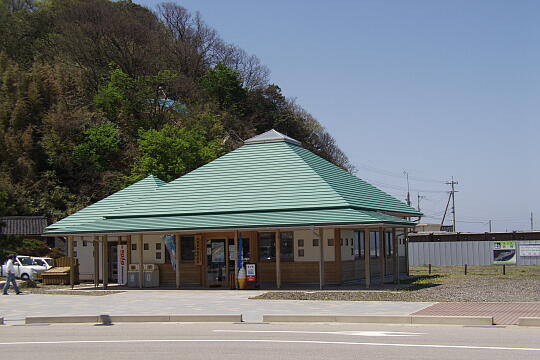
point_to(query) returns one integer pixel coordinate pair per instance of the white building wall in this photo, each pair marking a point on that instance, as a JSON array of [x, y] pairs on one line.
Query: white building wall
[[150, 256], [312, 253], [347, 247]]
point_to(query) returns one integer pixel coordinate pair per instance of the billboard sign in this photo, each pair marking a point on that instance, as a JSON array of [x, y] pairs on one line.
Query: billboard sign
[[504, 252], [529, 250]]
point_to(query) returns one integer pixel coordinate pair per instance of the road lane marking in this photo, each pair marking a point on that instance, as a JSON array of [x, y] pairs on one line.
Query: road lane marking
[[351, 333], [462, 347]]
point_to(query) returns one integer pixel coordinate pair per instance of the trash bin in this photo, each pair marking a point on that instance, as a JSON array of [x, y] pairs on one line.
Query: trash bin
[[133, 275], [151, 276]]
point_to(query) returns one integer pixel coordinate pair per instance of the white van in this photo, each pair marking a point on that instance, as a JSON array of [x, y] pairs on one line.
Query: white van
[[25, 268]]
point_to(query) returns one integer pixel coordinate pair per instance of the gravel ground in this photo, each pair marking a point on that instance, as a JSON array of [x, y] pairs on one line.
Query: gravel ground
[[446, 284]]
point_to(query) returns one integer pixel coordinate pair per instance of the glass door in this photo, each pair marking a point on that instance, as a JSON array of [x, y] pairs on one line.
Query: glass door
[[216, 272]]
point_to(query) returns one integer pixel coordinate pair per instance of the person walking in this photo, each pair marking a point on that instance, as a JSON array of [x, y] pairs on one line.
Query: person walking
[[10, 269]]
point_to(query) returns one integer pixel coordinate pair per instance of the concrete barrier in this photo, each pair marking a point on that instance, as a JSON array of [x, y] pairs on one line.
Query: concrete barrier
[[452, 320], [206, 318], [108, 319], [383, 319], [61, 319], [299, 318], [529, 321], [374, 319]]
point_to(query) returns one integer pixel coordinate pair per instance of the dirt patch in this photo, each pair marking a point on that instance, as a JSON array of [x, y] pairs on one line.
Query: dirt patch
[[449, 283]]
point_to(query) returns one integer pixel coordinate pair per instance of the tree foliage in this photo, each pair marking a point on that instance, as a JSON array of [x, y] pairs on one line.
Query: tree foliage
[[95, 94]]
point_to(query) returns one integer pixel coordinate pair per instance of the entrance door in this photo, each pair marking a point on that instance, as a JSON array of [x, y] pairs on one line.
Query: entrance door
[[216, 252]]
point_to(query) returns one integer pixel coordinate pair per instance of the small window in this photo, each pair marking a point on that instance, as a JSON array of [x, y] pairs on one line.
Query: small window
[[359, 244], [346, 242], [146, 246], [187, 248], [300, 242], [352, 251], [158, 255], [330, 242], [84, 243], [74, 254], [267, 246], [133, 247], [315, 242], [158, 246], [286, 246], [374, 244], [74, 243], [300, 252]]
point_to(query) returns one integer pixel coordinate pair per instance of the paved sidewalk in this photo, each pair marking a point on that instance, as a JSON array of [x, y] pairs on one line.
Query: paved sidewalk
[[147, 302], [503, 313]]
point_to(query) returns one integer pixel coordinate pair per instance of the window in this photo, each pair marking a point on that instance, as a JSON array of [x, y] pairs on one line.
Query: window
[[158, 246], [315, 242], [287, 247], [133, 247], [389, 244], [187, 248], [374, 244], [300, 252], [359, 244], [84, 243], [146, 246], [330, 242], [300, 242], [267, 246], [158, 255], [74, 243]]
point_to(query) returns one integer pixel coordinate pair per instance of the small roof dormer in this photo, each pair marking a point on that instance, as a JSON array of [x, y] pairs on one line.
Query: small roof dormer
[[271, 136]]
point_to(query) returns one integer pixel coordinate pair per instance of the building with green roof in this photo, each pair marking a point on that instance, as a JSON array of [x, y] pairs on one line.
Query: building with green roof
[[300, 219]]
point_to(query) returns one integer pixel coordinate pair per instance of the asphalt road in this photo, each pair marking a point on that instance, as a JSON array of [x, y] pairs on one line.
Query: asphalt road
[[267, 341]]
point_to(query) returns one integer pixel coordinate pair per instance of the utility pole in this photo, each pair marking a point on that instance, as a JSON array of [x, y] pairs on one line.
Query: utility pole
[[532, 222], [452, 195], [489, 225], [406, 173]]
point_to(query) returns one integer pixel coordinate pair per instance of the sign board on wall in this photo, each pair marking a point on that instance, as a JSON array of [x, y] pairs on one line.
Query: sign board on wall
[[250, 273], [529, 250], [504, 252], [122, 265]]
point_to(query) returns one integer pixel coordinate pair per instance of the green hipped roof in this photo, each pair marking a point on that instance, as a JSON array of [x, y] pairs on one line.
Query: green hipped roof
[[271, 180], [302, 218], [98, 210]]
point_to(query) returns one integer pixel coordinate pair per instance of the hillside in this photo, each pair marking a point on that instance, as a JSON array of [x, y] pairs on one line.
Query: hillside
[[97, 94]]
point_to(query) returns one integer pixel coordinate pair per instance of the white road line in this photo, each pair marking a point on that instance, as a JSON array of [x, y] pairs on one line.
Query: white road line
[[351, 333], [463, 347]]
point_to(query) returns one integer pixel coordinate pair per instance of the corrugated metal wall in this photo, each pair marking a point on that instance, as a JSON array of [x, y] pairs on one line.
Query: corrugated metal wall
[[461, 253]]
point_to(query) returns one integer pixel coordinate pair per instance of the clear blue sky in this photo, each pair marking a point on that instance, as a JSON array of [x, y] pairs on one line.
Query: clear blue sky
[[437, 88]]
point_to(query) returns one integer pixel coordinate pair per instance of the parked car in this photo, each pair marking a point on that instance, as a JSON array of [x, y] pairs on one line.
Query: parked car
[[25, 268], [44, 261]]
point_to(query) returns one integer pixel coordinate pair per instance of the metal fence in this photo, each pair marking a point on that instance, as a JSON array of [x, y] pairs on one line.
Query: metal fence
[[462, 252]]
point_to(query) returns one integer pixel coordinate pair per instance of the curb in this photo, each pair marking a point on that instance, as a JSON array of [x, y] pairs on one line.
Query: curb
[[108, 319], [384, 319], [529, 321]]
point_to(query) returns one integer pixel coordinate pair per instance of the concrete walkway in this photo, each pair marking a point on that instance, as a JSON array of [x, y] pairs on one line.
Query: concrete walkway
[[148, 302]]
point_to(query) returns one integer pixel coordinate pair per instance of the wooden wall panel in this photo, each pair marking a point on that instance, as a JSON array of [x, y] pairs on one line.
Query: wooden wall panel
[[347, 270]]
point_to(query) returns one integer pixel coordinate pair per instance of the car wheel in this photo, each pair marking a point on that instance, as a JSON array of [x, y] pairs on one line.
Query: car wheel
[[25, 277]]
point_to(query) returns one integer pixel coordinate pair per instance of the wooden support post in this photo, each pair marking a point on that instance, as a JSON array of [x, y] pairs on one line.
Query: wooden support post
[[382, 241], [226, 252], [140, 256], [178, 257], [395, 253], [236, 252], [406, 243], [367, 258], [96, 261], [105, 261], [128, 254], [337, 253], [278, 259], [71, 253], [321, 255]]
